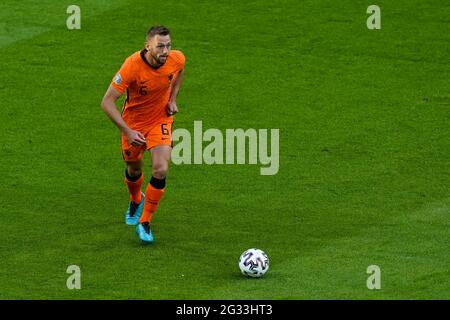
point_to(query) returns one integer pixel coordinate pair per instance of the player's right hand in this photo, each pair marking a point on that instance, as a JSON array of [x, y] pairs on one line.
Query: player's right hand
[[135, 138]]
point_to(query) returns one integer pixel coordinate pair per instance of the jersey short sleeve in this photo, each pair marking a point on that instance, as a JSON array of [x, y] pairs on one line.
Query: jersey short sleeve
[[124, 76], [179, 58]]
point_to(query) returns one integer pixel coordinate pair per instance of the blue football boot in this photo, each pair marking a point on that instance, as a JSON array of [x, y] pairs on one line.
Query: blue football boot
[[134, 212], [144, 233]]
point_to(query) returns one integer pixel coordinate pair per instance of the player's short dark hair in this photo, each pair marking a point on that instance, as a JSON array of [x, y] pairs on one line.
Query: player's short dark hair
[[157, 30]]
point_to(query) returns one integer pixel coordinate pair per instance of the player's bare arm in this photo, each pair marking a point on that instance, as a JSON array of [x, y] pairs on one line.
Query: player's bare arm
[[172, 107], [110, 108]]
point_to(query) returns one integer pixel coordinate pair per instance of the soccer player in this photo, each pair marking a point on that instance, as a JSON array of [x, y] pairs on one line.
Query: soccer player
[[151, 79]]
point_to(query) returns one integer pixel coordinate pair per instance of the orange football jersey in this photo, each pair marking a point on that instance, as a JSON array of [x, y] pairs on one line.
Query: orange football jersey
[[148, 89]]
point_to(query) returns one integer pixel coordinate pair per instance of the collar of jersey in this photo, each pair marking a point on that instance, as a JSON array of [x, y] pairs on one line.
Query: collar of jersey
[[146, 62]]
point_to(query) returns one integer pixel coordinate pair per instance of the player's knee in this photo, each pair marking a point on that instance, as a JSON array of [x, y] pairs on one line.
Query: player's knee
[[134, 171], [160, 171]]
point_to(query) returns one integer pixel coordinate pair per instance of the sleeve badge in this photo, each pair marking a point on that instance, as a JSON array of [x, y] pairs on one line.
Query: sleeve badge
[[117, 79]]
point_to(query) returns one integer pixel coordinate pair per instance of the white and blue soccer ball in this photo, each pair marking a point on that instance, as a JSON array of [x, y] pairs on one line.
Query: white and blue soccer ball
[[254, 263]]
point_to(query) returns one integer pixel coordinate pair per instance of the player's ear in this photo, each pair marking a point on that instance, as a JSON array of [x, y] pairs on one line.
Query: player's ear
[[147, 44]]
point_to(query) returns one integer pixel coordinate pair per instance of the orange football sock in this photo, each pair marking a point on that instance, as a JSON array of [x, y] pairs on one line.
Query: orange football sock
[[152, 198], [134, 188]]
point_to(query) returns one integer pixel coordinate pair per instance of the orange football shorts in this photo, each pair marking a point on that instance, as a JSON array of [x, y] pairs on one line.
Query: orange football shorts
[[160, 134]]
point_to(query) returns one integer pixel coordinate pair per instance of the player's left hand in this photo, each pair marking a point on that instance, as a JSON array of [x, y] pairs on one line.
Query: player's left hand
[[172, 108]]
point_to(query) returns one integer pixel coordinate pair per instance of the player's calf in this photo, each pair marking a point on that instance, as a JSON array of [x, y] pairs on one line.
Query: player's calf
[[133, 180]]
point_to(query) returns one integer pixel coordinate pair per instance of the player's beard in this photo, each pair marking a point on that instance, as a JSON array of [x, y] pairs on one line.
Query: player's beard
[[159, 59], [162, 59]]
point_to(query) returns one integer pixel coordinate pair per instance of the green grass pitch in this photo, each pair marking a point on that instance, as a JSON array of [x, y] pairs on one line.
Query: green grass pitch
[[364, 121]]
